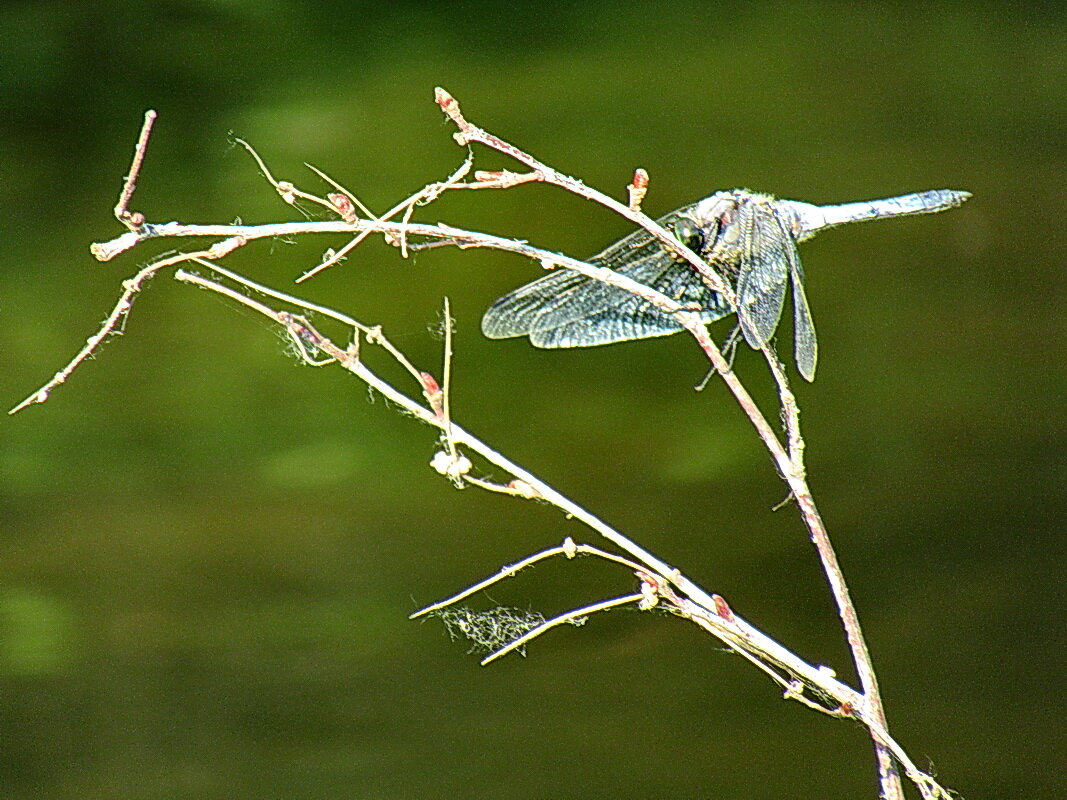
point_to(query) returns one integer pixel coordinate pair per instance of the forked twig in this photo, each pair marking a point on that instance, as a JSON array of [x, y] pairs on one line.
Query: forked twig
[[569, 549], [660, 582], [561, 619], [789, 461], [117, 318]]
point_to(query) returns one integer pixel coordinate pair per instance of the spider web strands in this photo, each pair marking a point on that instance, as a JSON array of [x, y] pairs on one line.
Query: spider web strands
[[574, 617]]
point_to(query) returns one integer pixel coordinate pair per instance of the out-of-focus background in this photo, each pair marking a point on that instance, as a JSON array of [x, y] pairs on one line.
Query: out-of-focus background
[[208, 552]]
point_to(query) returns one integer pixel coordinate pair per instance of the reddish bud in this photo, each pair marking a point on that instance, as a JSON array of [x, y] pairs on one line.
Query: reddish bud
[[637, 189], [722, 609], [432, 389], [342, 204]]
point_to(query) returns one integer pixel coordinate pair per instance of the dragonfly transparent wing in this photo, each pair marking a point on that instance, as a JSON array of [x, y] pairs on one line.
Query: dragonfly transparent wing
[[769, 261], [567, 309], [763, 272], [805, 346]]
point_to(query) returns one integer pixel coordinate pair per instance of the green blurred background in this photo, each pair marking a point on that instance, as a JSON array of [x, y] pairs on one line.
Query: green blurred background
[[209, 552]]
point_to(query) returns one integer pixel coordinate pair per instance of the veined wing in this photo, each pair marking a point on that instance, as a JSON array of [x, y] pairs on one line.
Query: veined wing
[[764, 245], [770, 259], [567, 309], [805, 345]]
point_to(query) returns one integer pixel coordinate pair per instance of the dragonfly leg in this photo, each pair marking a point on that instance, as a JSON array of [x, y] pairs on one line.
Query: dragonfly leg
[[729, 350]]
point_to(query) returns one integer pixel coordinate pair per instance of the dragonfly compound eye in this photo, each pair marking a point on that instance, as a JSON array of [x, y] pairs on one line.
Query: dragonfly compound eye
[[689, 233]]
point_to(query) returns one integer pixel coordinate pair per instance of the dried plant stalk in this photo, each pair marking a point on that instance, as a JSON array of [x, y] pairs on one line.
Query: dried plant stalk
[[660, 585]]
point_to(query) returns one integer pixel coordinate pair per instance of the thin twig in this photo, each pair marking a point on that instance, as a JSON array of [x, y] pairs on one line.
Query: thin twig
[[790, 463], [561, 619], [116, 319], [424, 195], [569, 549], [446, 381], [692, 602], [134, 220]]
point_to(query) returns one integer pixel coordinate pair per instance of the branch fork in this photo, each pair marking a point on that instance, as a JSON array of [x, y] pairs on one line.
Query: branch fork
[[659, 586]]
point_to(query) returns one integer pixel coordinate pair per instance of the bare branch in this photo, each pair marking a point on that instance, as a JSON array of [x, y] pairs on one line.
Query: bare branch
[[562, 619], [790, 464], [117, 317], [134, 220], [661, 584], [472, 133]]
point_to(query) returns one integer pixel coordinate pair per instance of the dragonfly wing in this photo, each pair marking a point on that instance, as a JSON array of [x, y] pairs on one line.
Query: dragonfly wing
[[567, 309], [523, 310], [762, 274], [805, 346], [616, 315]]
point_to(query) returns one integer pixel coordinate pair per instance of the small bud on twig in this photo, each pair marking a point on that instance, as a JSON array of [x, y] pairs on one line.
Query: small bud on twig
[[523, 489], [342, 204], [722, 609], [431, 389], [288, 191], [637, 189]]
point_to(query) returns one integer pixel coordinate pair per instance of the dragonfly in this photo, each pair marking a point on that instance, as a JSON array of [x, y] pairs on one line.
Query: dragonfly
[[749, 239]]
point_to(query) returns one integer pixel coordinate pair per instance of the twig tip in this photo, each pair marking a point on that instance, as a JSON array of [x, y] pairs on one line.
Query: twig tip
[[443, 98]]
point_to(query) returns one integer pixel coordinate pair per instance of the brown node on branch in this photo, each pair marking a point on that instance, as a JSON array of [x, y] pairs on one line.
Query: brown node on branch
[[637, 189], [342, 204], [722, 608], [432, 391]]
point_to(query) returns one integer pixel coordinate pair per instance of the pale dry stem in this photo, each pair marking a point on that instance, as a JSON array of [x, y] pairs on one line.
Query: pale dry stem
[[562, 619], [658, 579], [796, 676], [790, 463]]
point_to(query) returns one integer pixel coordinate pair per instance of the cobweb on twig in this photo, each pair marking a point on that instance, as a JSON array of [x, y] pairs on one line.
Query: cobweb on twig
[[489, 630]]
